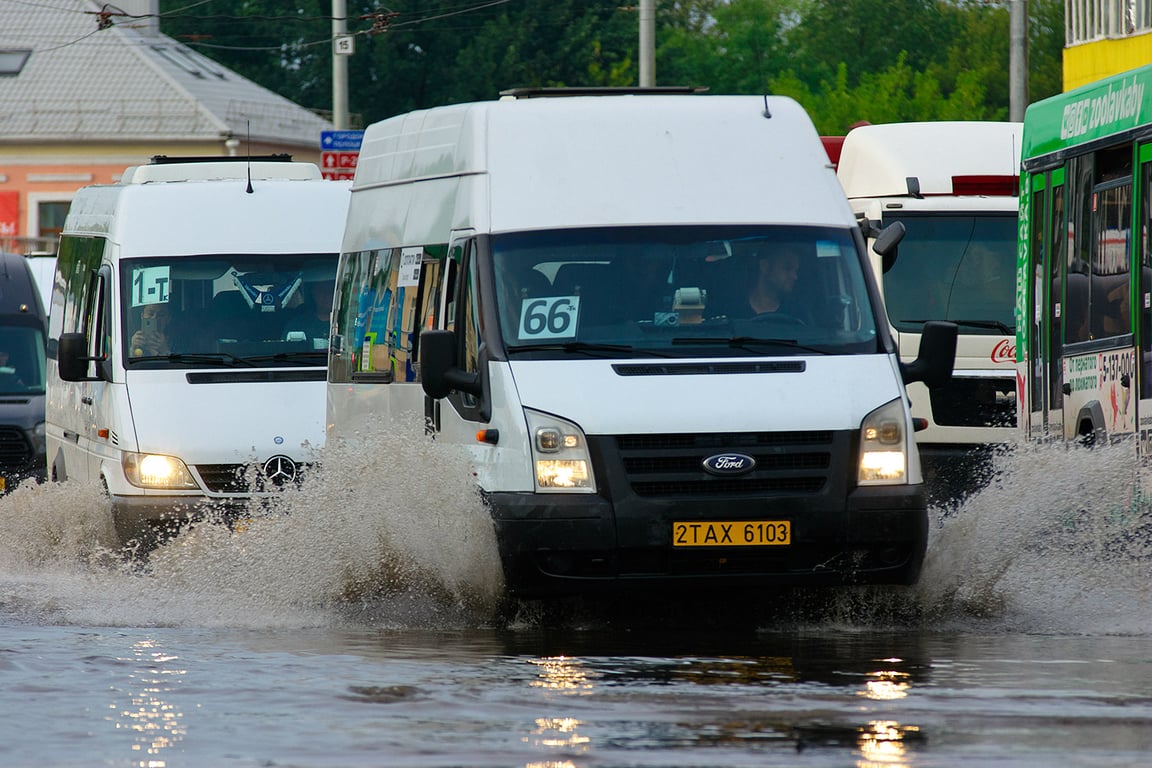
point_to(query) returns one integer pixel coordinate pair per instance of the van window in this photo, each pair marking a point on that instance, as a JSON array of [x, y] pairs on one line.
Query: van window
[[21, 360], [381, 300], [673, 291], [77, 262], [230, 310]]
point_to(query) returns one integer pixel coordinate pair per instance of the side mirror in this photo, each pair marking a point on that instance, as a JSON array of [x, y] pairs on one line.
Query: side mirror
[[937, 357], [72, 358], [439, 373], [886, 243]]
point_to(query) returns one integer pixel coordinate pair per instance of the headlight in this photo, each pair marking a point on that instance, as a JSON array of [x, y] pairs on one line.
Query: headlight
[[559, 455], [884, 446], [151, 470], [38, 444]]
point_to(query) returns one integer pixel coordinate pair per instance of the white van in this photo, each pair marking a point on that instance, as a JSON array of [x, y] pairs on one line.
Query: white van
[[188, 335], [584, 269], [955, 188]]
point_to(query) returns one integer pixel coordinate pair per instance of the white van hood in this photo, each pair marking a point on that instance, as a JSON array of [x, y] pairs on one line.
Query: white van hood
[[833, 392], [225, 423]]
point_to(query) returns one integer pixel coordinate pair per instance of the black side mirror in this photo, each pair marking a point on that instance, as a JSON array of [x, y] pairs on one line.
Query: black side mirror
[[886, 243], [937, 357], [439, 373], [72, 358]]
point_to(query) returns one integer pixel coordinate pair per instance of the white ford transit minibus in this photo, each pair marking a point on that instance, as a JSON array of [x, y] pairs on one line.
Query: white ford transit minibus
[[188, 334], [651, 317]]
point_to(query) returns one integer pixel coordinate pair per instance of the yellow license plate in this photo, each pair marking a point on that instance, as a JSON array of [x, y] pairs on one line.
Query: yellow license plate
[[739, 533], [3, 484]]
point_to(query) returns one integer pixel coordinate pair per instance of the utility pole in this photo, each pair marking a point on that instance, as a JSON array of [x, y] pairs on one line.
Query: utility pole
[[339, 66], [647, 43], [1017, 59]]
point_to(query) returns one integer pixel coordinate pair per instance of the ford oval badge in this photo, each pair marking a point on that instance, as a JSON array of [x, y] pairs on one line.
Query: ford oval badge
[[729, 464]]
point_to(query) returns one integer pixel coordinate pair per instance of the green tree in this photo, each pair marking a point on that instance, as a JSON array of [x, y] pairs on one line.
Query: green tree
[[844, 60]]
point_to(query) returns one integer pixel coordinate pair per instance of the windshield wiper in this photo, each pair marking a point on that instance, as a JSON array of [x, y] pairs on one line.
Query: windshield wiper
[[746, 342], [285, 357], [219, 358], [993, 324], [584, 347]]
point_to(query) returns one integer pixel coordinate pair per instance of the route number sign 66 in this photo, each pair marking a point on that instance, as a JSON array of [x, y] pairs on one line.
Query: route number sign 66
[[549, 317]]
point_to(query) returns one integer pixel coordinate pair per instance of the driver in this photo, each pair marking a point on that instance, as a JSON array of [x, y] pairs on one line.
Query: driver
[[775, 277]]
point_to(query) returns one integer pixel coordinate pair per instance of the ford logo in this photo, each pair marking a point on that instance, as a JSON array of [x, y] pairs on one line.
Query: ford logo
[[729, 464]]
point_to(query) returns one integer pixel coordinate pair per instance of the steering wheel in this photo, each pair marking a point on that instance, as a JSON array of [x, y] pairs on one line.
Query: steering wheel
[[778, 317]]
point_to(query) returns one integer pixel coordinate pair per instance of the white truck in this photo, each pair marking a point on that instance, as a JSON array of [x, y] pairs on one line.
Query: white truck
[[955, 188], [567, 283], [186, 354]]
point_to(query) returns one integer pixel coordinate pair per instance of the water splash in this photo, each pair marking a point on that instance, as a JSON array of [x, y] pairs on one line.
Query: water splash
[[1059, 541], [391, 532]]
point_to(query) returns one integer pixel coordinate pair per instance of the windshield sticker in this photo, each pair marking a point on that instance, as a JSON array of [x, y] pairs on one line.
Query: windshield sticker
[[410, 259], [552, 317], [150, 285], [827, 249]]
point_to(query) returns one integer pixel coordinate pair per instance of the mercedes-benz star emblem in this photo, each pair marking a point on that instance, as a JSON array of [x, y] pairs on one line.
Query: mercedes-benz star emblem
[[280, 470]]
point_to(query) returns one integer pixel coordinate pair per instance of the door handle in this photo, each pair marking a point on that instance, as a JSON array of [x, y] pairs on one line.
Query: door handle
[[73, 436]]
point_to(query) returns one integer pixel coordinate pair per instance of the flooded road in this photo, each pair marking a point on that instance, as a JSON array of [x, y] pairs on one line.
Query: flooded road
[[357, 630]]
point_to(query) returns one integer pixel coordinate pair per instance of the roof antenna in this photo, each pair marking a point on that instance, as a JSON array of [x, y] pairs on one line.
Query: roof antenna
[[249, 151], [767, 113]]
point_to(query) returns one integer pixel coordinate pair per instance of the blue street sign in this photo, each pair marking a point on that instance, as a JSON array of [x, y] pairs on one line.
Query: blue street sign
[[341, 141]]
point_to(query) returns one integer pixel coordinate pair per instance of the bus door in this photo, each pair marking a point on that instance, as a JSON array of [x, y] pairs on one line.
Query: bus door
[[1099, 354], [1044, 302], [1144, 324]]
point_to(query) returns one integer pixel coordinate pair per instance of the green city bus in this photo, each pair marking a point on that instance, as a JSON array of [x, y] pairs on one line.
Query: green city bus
[[1084, 272]]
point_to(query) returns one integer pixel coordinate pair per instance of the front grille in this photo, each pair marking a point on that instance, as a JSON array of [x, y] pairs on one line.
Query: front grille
[[239, 478], [672, 465], [968, 402], [14, 447], [226, 478]]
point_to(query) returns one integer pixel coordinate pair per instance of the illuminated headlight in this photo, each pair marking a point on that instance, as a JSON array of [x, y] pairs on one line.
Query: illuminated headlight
[[150, 470], [884, 446], [38, 438], [559, 455]]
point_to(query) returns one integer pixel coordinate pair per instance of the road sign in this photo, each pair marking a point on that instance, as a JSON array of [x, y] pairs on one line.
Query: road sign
[[341, 141], [346, 174], [344, 45], [333, 160]]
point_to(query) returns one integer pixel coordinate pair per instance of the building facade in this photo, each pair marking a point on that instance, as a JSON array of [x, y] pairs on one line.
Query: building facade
[[1105, 37], [85, 93]]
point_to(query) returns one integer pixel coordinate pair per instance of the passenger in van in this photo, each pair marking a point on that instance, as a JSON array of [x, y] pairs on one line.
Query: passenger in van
[[152, 338]]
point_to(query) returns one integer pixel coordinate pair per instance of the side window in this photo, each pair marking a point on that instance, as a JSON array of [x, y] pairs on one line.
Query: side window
[[468, 328], [466, 314], [1079, 255], [351, 280], [1111, 307], [77, 262], [382, 300]]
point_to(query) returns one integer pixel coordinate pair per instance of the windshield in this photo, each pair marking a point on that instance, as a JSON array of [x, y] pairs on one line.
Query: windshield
[[240, 311], [958, 268], [21, 360], [672, 291]]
